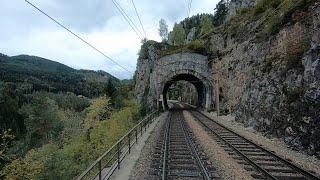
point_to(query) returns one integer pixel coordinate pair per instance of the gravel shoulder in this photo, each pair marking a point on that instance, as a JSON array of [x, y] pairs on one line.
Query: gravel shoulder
[[128, 165], [226, 166], [143, 163], [274, 144]]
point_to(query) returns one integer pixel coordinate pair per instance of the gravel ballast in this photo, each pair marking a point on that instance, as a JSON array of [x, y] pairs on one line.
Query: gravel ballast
[[128, 163], [274, 144], [226, 166], [143, 164]]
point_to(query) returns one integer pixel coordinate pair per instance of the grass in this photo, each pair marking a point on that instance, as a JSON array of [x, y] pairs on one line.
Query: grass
[[264, 5], [196, 46]]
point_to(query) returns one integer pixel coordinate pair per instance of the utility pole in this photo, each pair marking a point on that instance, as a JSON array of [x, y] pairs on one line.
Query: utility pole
[[216, 74], [217, 94], [190, 96]]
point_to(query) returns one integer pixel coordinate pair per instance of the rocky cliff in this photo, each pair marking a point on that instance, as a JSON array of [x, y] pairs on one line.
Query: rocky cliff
[[267, 59], [236, 5], [273, 84]]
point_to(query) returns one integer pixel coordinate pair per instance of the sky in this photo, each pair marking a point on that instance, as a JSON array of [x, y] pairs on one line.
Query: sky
[[24, 30]]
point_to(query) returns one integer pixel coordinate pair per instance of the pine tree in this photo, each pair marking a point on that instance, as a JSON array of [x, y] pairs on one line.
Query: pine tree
[[111, 91], [206, 25], [221, 13]]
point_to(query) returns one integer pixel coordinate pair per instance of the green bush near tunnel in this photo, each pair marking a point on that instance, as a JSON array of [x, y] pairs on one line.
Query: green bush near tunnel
[[198, 46]]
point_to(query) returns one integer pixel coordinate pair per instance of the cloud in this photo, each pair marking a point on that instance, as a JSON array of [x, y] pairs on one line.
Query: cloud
[[26, 31]]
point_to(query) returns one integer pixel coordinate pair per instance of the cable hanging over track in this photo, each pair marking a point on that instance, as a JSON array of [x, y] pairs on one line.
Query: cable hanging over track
[[145, 34], [128, 19], [189, 7], [80, 38]]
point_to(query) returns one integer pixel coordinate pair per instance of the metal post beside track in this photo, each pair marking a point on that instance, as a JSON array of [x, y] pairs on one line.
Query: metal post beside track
[[118, 155], [129, 142], [136, 135], [100, 170]]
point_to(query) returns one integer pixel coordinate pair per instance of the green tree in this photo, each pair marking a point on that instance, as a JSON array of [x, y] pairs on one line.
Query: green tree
[[5, 141], [9, 106], [41, 120], [111, 91], [178, 34], [163, 30], [206, 25], [221, 13], [69, 101], [52, 161]]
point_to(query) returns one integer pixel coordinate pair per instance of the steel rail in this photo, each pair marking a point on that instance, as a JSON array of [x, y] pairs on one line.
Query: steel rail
[[286, 162], [166, 144], [260, 169], [194, 150]]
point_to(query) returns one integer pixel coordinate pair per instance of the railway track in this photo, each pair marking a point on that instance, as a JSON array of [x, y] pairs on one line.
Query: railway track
[[177, 155], [260, 162]]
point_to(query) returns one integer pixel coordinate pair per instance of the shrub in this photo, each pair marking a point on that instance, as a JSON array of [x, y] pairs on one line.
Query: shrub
[[178, 34], [41, 120], [197, 46], [274, 20], [243, 11], [206, 25], [264, 5], [143, 53]]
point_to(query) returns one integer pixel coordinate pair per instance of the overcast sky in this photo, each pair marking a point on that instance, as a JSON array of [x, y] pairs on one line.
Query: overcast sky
[[25, 31]]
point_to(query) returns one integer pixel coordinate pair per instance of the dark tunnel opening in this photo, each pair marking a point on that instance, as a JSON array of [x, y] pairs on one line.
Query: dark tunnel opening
[[196, 82]]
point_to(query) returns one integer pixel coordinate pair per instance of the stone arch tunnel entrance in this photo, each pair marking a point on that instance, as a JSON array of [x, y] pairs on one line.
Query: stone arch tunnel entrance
[[196, 82], [155, 76], [190, 67]]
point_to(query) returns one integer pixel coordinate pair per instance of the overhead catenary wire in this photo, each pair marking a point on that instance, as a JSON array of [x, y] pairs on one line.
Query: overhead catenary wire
[[77, 36], [189, 7], [135, 8], [188, 11], [128, 19]]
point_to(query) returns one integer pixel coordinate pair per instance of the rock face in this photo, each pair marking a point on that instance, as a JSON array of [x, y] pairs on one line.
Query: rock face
[[235, 5], [191, 35], [271, 85]]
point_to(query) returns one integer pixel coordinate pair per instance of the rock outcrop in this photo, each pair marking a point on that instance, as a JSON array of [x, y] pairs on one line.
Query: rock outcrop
[[236, 5], [269, 78], [274, 85], [191, 35]]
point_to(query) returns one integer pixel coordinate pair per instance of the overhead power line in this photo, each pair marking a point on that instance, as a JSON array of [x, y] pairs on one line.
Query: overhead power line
[[128, 19], [145, 34], [77, 36], [189, 7]]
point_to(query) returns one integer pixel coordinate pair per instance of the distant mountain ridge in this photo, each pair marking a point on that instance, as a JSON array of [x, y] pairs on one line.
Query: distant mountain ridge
[[38, 73]]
